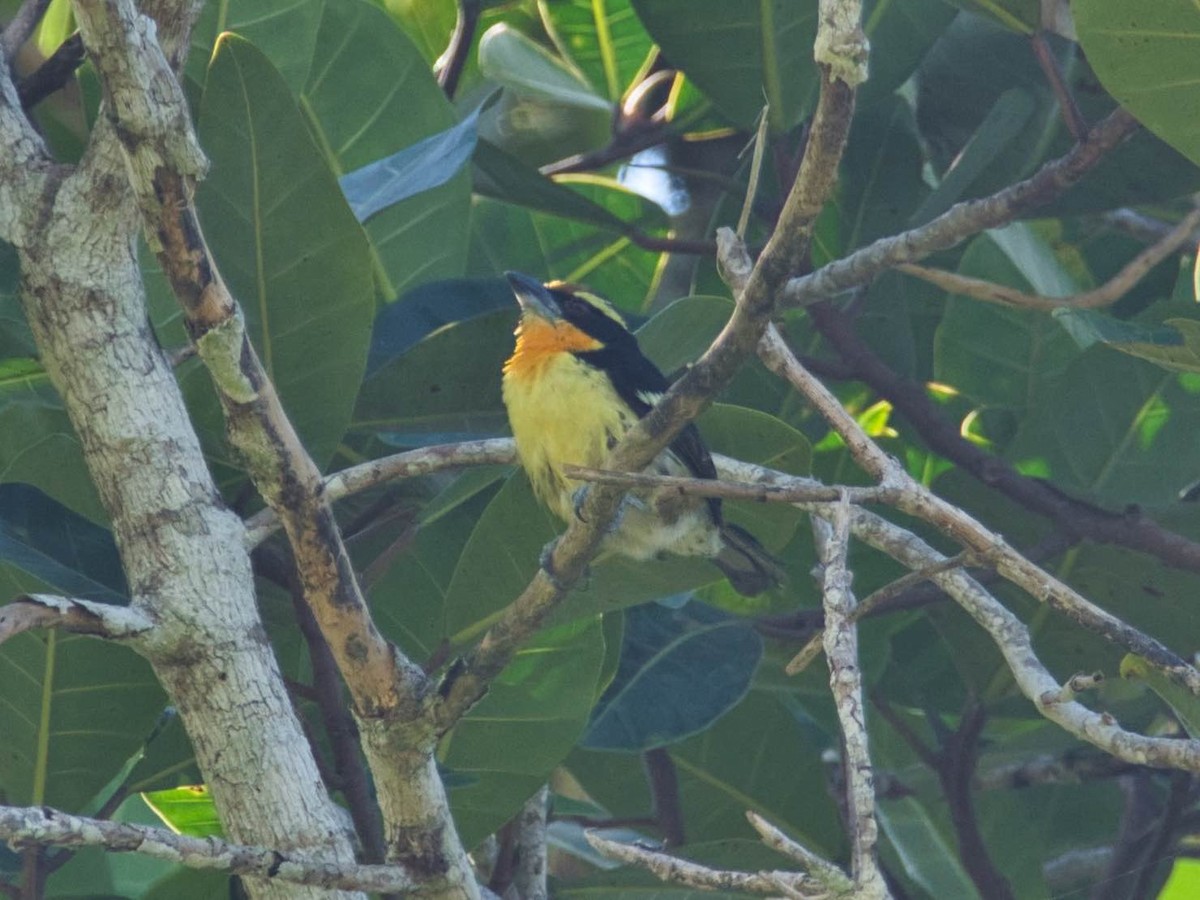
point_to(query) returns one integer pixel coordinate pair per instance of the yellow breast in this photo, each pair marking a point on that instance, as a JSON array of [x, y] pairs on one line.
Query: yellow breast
[[562, 410]]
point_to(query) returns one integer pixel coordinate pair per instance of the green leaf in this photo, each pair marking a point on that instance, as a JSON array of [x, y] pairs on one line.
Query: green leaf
[[287, 242], [187, 810], [75, 711], [38, 446], [1184, 703], [900, 35], [602, 37], [46, 542], [741, 53], [167, 759], [285, 30], [999, 356], [925, 855], [503, 176], [425, 165], [505, 236], [370, 94], [881, 180], [524, 727], [512, 60], [679, 334], [1089, 327], [1021, 16], [1114, 429], [408, 599], [763, 756], [449, 382], [680, 670], [1003, 125], [1144, 54], [1180, 353]]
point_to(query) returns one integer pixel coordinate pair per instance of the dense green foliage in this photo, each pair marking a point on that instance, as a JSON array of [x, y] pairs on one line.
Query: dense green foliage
[[390, 334]]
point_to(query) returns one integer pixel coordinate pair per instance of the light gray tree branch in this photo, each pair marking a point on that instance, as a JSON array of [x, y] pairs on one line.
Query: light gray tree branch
[[388, 691], [105, 620], [963, 219], [1104, 295], [41, 826], [845, 684], [674, 870]]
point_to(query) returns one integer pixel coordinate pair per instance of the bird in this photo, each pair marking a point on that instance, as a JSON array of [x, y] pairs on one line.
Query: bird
[[575, 384]]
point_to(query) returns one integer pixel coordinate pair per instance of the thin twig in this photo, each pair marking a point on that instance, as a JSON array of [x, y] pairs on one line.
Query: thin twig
[[799, 489], [450, 65], [760, 144], [1105, 295], [867, 606], [674, 870], [1076, 124], [963, 219]]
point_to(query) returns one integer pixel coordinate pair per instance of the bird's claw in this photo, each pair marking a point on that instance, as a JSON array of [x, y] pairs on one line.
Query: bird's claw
[[577, 500]]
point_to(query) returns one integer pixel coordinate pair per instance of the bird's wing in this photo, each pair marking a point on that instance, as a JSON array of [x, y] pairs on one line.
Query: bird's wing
[[640, 384]]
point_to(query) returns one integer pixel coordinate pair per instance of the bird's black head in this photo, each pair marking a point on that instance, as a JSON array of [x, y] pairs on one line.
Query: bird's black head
[[559, 301]]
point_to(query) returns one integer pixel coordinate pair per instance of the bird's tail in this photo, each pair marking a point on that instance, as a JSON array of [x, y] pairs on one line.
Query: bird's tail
[[746, 563]]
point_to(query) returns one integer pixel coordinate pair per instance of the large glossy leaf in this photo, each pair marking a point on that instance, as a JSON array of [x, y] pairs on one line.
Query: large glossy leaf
[[74, 711], [287, 243], [1114, 429], [1144, 53], [924, 853], [881, 184], [285, 30], [449, 383], [42, 540], [427, 164], [507, 745], [186, 810], [505, 236], [1021, 16], [683, 331], [680, 670], [900, 35], [15, 337], [503, 176], [38, 446], [996, 355], [763, 756], [369, 94], [741, 51], [602, 37], [509, 58], [1175, 345]]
